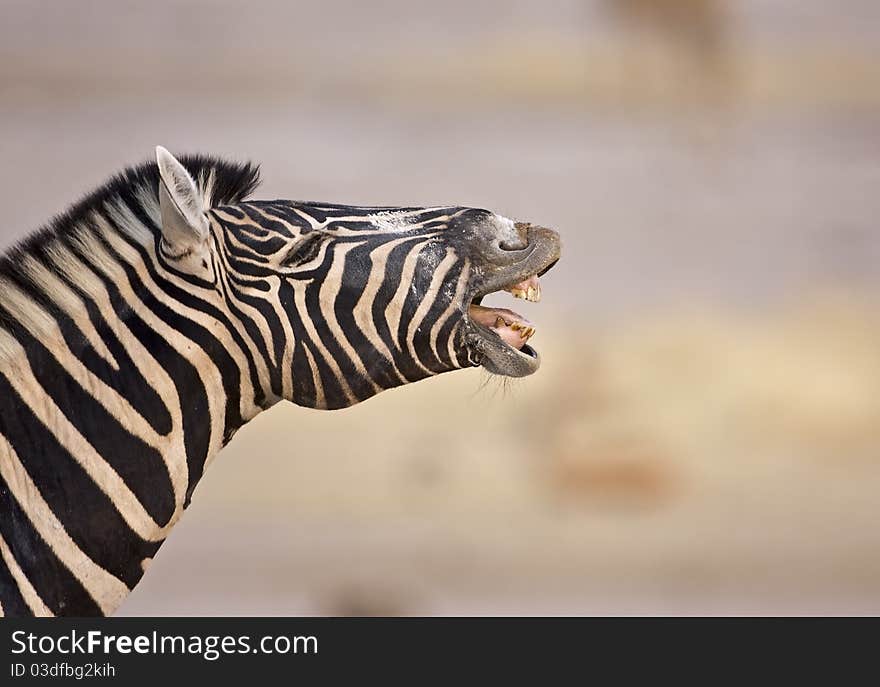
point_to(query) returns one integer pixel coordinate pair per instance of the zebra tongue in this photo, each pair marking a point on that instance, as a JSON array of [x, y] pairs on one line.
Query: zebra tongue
[[513, 329]]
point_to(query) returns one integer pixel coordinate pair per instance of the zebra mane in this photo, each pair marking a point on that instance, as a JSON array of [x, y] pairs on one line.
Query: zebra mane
[[221, 182]]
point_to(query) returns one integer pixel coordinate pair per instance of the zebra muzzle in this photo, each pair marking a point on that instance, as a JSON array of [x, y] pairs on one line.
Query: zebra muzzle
[[499, 340]]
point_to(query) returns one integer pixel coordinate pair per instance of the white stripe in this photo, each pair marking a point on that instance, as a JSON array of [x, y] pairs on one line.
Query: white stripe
[[363, 311], [101, 472], [457, 299], [299, 297], [428, 300], [327, 302], [107, 591], [68, 302], [394, 309], [25, 588]]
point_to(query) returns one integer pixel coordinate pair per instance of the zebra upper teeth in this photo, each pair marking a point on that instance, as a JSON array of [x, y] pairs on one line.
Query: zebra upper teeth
[[514, 329], [528, 289]]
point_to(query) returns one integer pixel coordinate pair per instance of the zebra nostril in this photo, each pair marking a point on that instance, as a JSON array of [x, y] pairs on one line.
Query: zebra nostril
[[516, 238], [514, 245]]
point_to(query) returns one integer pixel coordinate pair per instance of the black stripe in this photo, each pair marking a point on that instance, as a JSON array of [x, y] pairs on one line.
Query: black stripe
[[358, 266], [249, 280], [234, 210], [57, 587], [359, 385], [226, 364], [271, 318], [305, 385], [441, 301], [283, 212], [273, 324], [429, 257], [13, 603], [139, 465], [391, 280], [304, 389], [277, 233], [334, 396], [89, 516], [443, 342], [126, 381], [193, 395]]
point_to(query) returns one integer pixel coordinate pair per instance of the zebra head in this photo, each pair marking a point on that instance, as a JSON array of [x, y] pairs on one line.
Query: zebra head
[[343, 302]]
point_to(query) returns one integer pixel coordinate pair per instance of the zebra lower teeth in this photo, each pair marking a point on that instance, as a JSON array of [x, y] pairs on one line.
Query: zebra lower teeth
[[514, 329]]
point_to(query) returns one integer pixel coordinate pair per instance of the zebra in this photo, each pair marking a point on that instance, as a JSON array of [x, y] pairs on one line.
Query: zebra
[[141, 328]]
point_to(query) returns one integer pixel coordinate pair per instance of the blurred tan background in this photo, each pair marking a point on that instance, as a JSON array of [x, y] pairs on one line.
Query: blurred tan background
[[704, 434]]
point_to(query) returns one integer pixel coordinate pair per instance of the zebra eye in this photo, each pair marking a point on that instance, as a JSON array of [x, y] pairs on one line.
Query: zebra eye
[[305, 250]]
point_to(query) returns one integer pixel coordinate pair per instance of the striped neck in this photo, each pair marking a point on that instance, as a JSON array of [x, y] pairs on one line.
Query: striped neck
[[120, 380]]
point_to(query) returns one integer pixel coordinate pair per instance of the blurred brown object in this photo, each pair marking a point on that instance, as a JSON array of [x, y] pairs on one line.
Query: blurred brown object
[[677, 47], [618, 472], [700, 23], [593, 452], [362, 601]]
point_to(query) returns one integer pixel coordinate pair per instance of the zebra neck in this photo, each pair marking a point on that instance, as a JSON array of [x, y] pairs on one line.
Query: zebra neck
[[119, 382], [113, 399]]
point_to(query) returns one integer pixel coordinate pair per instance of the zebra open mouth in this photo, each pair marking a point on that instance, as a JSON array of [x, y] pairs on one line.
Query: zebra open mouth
[[501, 336], [512, 328]]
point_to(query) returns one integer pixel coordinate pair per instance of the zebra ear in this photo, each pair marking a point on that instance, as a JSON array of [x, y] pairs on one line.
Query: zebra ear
[[183, 221]]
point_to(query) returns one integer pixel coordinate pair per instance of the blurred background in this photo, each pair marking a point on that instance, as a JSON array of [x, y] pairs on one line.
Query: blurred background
[[704, 434]]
